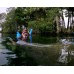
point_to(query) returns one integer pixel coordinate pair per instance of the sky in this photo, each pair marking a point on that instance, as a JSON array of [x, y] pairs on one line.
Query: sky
[[3, 9]]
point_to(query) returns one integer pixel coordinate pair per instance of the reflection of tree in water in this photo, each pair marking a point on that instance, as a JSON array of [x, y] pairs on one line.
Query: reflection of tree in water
[[63, 55], [22, 59], [32, 56], [67, 52]]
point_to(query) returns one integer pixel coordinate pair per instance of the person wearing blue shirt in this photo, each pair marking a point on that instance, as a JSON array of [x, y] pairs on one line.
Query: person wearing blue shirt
[[18, 35], [30, 32]]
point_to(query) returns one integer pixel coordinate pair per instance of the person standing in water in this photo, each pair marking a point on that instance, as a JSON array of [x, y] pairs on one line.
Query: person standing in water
[[18, 35], [25, 34]]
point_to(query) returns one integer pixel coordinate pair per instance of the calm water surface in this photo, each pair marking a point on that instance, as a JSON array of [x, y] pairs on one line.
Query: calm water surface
[[5, 54], [60, 53]]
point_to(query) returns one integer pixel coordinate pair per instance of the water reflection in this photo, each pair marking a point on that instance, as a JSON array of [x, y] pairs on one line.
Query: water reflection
[[4, 53], [63, 55], [60, 53], [0, 34], [67, 52], [30, 38]]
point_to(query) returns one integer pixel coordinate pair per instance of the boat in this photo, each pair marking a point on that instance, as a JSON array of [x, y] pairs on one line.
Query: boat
[[23, 43]]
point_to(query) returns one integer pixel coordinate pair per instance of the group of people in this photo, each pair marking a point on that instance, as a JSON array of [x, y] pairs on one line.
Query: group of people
[[24, 35]]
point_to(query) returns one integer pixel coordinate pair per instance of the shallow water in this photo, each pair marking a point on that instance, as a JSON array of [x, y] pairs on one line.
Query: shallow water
[[60, 53], [4, 53]]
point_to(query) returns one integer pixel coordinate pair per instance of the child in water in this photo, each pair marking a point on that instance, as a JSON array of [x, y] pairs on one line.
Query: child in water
[[25, 34]]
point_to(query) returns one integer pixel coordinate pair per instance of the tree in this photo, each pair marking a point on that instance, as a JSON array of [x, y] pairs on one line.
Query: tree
[[70, 15], [9, 24]]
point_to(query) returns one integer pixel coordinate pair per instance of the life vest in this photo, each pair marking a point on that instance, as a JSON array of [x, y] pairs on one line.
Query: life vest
[[18, 35]]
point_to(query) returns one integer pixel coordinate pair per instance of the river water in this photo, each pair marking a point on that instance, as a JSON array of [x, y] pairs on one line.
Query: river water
[[5, 54], [60, 53]]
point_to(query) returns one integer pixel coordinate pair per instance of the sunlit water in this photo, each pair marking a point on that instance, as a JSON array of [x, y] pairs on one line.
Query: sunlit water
[[60, 52], [5, 53]]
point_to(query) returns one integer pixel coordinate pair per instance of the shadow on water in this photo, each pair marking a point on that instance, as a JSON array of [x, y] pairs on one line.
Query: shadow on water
[[33, 56], [4, 53], [61, 53]]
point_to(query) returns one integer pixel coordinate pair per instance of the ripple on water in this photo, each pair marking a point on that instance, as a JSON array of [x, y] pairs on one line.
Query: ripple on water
[[4, 54]]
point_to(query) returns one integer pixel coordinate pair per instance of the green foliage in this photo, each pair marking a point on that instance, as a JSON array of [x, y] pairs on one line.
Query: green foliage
[[9, 24], [41, 19], [44, 23]]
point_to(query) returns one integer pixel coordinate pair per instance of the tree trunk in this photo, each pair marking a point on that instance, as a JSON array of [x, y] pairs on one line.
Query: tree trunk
[[72, 17], [70, 25], [63, 22], [72, 21], [57, 24], [68, 21]]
